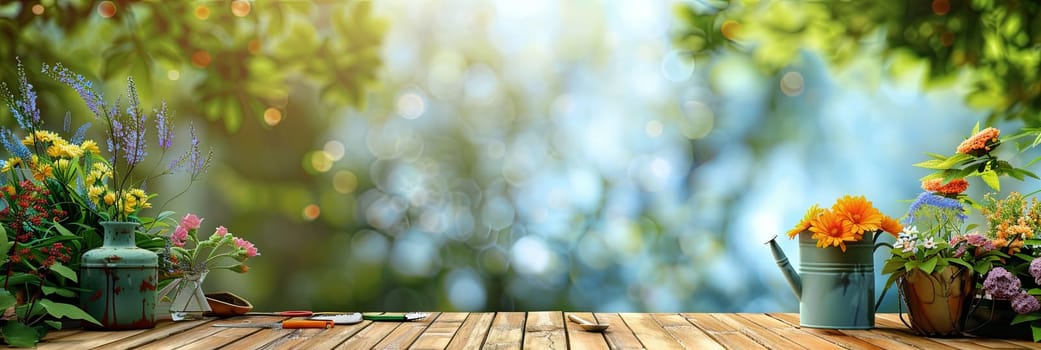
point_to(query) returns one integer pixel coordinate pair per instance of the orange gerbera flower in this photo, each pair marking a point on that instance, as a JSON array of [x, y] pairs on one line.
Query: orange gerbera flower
[[891, 225], [805, 223], [861, 215], [956, 186], [980, 143], [831, 229]]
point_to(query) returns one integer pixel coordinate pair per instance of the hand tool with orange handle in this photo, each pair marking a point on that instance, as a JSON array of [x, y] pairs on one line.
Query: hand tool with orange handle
[[287, 324]]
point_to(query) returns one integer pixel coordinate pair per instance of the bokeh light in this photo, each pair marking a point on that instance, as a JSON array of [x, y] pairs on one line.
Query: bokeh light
[[345, 182], [202, 12], [106, 9], [792, 84], [272, 116], [410, 105], [38, 9], [241, 8], [311, 212], [173, 74], [334, 149], [201, 59]]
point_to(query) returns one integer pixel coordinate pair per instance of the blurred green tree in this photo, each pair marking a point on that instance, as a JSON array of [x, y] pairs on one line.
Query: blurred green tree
[[237, 57], [992, 44]]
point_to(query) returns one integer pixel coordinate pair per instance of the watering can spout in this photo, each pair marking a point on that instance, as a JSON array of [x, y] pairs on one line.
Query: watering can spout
[[789, 272]]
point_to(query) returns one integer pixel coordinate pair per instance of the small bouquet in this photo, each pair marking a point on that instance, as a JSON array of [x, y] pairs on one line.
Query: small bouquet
[[190, 259], [847, 221]]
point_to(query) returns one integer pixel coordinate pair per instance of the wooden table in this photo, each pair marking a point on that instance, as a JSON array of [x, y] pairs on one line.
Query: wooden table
[[530, 330]]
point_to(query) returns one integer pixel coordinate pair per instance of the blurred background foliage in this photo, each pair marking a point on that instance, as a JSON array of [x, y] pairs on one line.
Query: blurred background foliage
[[991, 44], [500, 155]]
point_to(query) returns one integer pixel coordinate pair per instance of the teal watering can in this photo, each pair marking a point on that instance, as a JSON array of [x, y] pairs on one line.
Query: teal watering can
[[836, 289]]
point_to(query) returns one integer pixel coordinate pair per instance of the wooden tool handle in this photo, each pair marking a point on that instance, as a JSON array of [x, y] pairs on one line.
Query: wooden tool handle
[[574, 318], [296, 324]]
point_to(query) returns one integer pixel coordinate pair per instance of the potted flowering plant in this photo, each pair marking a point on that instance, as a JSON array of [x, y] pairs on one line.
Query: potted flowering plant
[[935, 250], [931, 261], [54, 193], [835, 254], [191, 259]]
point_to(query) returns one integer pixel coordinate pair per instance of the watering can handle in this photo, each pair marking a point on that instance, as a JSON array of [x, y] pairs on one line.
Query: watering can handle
[[878, 245]]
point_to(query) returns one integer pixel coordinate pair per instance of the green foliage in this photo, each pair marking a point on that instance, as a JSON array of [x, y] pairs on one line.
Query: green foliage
[[235, 67], [995, 40]]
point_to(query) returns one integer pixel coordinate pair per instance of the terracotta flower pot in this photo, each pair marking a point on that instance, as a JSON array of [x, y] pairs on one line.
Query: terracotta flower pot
[[936, 302]]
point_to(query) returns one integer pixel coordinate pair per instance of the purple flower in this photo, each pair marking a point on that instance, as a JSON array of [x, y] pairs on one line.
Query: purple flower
[[1024, 303], [24, 109], [1001, 284], [939, 202], [14, 145], [133, 138], [162, 122], [81, 134], [1035, 270], [93, 98]]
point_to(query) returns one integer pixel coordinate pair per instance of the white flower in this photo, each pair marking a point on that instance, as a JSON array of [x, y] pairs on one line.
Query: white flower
[[910, 247], [929, 244]]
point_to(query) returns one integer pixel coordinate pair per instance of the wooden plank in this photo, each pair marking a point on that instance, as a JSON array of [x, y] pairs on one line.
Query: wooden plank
[[161, 331], [471, 334], [763, 323], [330, 338], [580, 339], [369, 336], [507, 331], [545, 330], [722, 332], [619, 336], [87, 339], [207, 336], [651, 334], [761, 335], [685, 333], [406, 333], [440, 332]]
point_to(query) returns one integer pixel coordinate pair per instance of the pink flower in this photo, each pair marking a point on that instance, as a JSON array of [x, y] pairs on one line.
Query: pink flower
[[250, 250], [179, 237], [191, 222], [221, 231]]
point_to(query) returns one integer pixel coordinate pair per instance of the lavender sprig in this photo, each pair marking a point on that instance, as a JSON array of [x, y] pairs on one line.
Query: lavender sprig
[[24, 109], [85, 88], [14, 145], [163, 123]]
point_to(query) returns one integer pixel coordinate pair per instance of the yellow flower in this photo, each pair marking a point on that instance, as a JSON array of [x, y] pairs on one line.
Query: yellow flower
[[63, 164], [110, 198], [64, 150], [95, 192], [804, 225], [11, 163], [43, 136], [90, 146]]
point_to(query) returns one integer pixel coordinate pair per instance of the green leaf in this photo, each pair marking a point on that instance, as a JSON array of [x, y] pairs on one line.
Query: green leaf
[[1025, 318], [991, 179], [20, 335], [976, 129], [48, 290], [60, 310], [63, 231], [1036, 330], [960, 262], [7, 299], [53, 324], [910, 265], [1034, 291], [64, 271], [929, 265], [891, 266]]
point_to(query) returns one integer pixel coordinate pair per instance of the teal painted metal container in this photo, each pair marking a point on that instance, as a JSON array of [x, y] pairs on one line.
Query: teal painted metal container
[[838, 288], [119, 280]]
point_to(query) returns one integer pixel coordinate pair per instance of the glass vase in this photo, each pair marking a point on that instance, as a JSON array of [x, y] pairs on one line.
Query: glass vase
[[188, 299], [119, 280]]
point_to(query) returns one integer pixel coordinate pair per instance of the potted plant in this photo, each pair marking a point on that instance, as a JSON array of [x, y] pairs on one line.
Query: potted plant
[[837, 286]]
